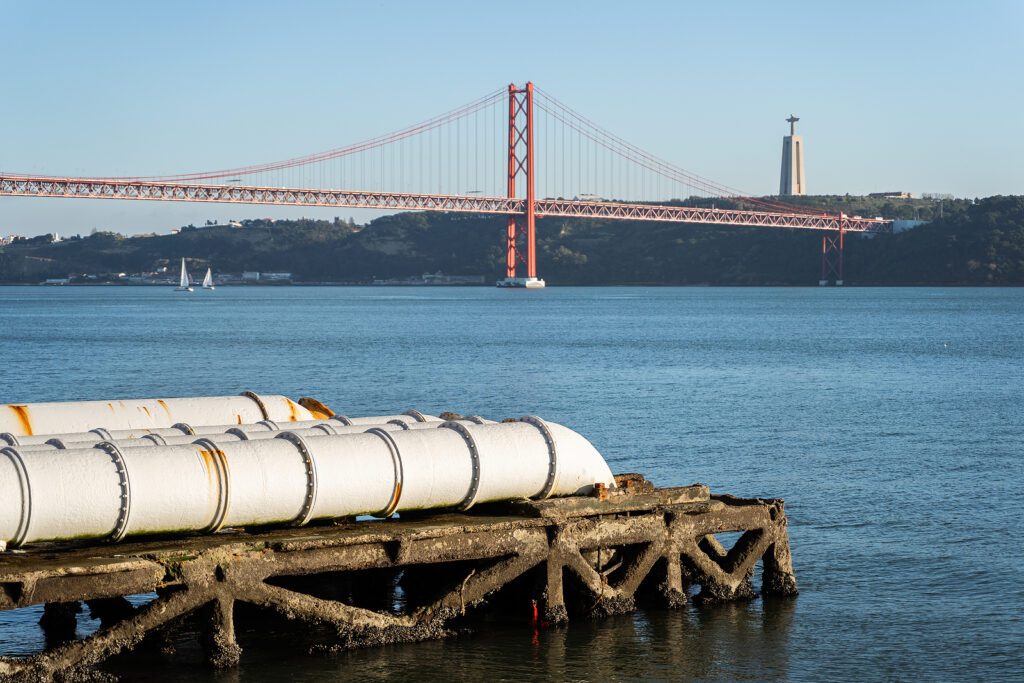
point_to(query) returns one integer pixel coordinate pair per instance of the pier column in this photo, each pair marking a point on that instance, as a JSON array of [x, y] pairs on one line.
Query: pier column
[[777, 576], [554, 595], [59, 622], [672, 588], [222, 650]]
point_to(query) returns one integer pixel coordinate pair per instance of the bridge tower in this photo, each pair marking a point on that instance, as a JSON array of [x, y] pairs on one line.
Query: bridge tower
[[832, 254], [521, 234]]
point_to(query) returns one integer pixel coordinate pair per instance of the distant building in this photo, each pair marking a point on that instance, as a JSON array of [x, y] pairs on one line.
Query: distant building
[[792, 181], [440, 278], [256, 276], [57, 281], [890, 195]]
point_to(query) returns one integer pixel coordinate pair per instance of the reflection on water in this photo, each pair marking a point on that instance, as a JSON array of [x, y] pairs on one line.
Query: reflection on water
[[732, 642]]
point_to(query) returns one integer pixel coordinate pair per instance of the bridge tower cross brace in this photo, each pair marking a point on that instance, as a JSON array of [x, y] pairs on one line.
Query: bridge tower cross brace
[[522, 227]]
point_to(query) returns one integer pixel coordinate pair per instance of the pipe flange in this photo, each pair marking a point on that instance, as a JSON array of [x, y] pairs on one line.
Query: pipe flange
[[341, 419], [9, 439], [396, 461], [102, 433], [416, 415], [224, 499], [401, 423], [271, 424], [549, 439], [475, 419], [311, 480], [474, 454], [155, 438], [21, 533], [258, 401], [125, 511], [239, 432], [325, 428], [184, 428], [57, 443]]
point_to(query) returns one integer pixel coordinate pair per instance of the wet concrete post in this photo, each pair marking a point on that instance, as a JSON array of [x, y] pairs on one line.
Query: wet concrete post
[[59, 622], [554, 592], [218, 638], [777, 577]]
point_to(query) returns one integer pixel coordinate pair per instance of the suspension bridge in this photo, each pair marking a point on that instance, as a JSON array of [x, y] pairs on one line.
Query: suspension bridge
[[517, 151]]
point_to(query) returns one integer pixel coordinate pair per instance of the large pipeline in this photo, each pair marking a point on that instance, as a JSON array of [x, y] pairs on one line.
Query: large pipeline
[[97, 434], [108, 492], [28, 419], [258, 431]]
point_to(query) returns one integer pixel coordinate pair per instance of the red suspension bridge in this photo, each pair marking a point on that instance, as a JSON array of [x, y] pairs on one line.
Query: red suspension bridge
[[517, 152]]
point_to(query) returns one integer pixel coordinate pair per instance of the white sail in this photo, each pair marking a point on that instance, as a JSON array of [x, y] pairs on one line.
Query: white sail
[[185, 285], [208, 280]]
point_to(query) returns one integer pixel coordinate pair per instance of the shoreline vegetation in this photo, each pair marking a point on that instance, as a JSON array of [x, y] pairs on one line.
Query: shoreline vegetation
[[962, 242]]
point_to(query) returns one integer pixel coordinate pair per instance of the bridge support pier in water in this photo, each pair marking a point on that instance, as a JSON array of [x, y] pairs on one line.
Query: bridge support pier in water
[[521, 234], [356, 584], [832, 245]]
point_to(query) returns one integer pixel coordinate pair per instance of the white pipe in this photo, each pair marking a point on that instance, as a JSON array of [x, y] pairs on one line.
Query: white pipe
[[112, 492], [90, 437], [322, 429], [409, 417], [93, 436], [258, 431], [29, 419]]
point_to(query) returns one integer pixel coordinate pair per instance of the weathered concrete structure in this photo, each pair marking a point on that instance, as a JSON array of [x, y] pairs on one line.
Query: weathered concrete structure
[[569, 556]]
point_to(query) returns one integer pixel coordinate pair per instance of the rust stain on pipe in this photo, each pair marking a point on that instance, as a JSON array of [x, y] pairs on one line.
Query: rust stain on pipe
[[318, 409], [208, 464], [21, 412]]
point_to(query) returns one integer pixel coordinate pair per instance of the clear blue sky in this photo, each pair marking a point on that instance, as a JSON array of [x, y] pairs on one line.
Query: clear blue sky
[[921, 96]]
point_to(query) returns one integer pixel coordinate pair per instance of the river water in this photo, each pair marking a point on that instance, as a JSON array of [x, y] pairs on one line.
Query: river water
[[891, 421]]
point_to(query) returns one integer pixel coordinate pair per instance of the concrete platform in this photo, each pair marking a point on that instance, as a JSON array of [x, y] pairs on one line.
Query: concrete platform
[[577, 556]]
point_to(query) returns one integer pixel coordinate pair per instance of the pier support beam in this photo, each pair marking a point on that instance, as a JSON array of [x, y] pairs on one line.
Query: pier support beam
[[575, 556]]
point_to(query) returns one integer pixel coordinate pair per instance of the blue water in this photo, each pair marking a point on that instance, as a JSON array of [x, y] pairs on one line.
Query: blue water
[[891, 421]]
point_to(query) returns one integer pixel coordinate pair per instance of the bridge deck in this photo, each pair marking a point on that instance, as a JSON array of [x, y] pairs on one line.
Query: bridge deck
[[98, 188]]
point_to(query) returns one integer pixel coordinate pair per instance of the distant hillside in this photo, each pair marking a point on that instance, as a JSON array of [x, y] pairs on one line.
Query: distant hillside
[[973, 243]]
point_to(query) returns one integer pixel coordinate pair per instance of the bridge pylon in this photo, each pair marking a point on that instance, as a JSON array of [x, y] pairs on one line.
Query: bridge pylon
[[832, 244], [521, 233]]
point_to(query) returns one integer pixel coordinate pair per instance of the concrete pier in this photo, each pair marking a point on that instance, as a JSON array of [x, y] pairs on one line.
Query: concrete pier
[[401, 580]]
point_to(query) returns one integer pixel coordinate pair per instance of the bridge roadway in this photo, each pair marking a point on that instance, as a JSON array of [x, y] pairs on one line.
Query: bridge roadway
[[99, 188]]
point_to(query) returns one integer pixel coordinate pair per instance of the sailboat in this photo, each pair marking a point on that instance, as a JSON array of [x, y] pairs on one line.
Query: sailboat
[[208, 280], [186, 284]]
